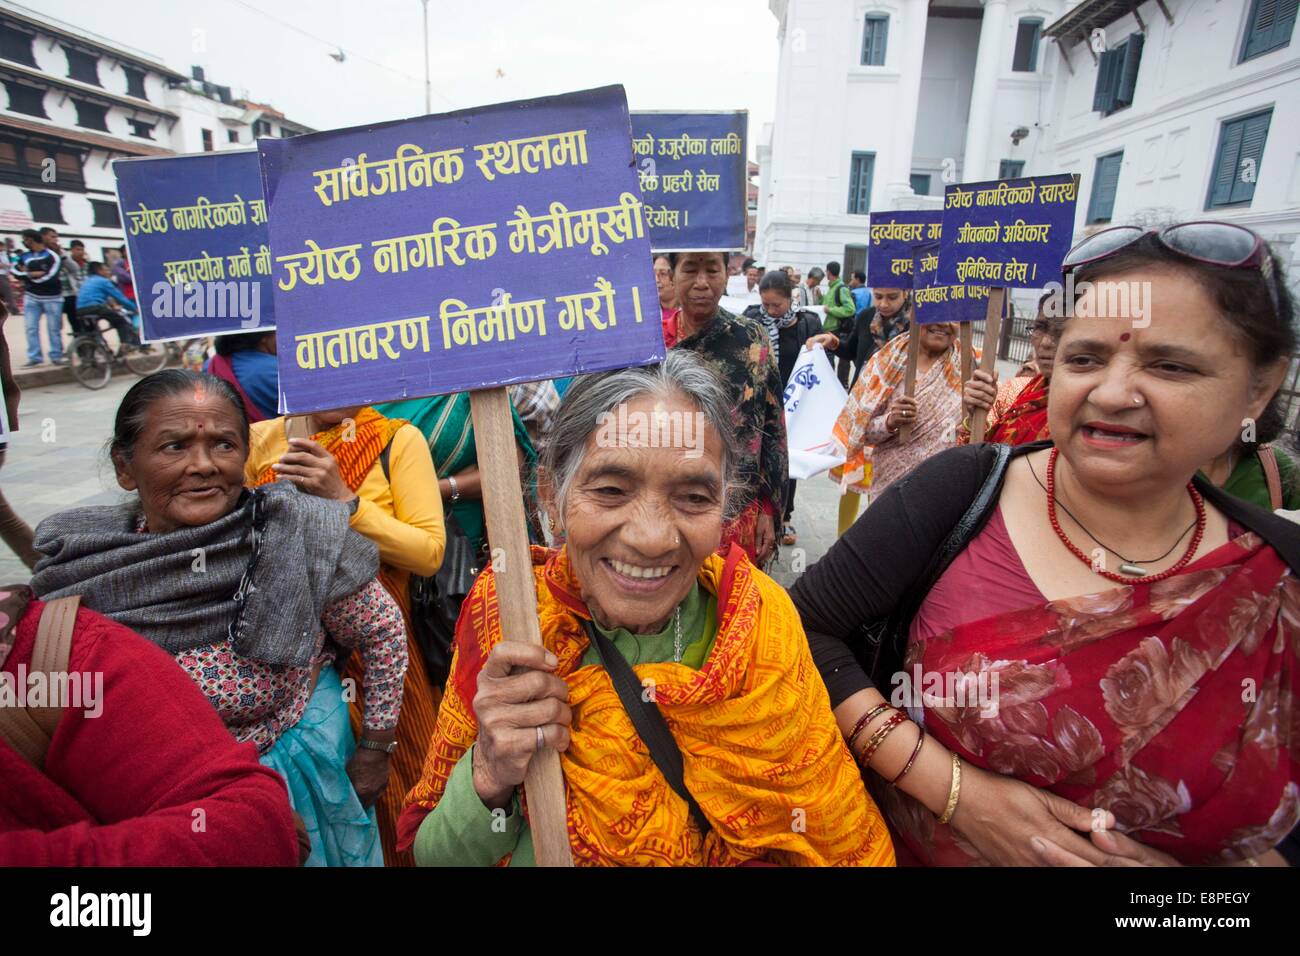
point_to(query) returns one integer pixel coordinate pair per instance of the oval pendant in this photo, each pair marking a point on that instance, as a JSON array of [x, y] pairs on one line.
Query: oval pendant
[[1132, 569]]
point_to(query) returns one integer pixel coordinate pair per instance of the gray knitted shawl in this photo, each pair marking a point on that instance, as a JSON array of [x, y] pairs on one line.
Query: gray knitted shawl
[[184, 588]]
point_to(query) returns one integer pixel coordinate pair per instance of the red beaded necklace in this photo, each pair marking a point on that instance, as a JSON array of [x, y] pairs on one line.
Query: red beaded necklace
[[1197, 502]]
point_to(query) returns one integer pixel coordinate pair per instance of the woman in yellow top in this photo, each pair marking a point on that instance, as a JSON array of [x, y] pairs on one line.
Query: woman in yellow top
[[766, 776], [383, 466]]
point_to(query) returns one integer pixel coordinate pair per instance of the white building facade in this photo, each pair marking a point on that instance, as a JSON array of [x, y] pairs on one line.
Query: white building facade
[[1169, 110], [73, 102]]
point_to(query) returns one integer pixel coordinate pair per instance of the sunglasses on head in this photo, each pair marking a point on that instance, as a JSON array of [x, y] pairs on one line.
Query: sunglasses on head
[[1215, 243]]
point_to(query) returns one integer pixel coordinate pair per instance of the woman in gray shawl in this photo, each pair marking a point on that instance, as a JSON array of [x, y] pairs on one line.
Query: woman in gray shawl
[[253, 592]]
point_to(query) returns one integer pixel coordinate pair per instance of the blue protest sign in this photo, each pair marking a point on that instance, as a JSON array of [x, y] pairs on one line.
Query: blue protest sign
[[889, 246], [1012, 233], [692, 170], [197, 242], [933, 302], [463, 251]]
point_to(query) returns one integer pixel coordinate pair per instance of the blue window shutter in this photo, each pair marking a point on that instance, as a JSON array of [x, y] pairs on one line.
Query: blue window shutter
[[875, 36], [1225, 163], [1271, 24], [1010, 168], [1103, 99], [1129, 70], [1101, 204], [1254, 132]]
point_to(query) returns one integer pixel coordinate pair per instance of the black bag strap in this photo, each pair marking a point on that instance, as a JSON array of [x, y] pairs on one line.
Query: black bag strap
[[647, 720]]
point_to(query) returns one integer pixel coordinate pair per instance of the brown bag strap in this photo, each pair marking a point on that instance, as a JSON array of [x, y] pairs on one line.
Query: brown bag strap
[[29, 730], [1268, 461]]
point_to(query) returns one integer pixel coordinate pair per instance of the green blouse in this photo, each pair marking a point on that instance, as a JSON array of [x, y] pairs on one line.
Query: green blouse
[[461, 831]]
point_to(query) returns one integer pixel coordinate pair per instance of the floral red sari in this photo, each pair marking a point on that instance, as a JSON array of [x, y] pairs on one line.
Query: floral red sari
[[1173, 705]]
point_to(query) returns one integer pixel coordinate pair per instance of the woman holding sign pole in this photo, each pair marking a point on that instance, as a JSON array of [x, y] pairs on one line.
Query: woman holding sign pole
[[647, 632], [740, 352], [877, 410], [1094, 645]]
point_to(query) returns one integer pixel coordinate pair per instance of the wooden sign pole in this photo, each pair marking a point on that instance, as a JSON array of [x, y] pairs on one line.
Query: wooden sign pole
[[988, 361], [297, 426], [909, 377], [503, 505], [967, 351]]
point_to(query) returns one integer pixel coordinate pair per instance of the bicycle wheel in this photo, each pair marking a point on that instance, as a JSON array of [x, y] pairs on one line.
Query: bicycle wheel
[[146, 361], [92, 363]]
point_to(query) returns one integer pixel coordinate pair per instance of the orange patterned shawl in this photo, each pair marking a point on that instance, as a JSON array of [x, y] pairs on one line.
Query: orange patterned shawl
[[355, 447], [764, 757]]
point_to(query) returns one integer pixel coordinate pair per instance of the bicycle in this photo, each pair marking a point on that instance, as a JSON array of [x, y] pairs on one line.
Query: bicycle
[[93, 360]]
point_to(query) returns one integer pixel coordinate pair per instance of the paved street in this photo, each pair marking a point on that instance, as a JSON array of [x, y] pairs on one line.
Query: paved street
[[57, 460]]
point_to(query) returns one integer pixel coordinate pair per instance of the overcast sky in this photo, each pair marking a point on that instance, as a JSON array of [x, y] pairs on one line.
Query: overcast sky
[[669, 54]]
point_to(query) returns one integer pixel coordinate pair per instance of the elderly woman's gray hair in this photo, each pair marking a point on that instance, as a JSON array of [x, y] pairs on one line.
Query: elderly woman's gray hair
[[596, 395]]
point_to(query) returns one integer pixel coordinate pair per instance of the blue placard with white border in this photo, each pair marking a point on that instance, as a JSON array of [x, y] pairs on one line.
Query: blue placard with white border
[[462, 251], [1012, 233], [692, 169], [197, 240], [890, 237]]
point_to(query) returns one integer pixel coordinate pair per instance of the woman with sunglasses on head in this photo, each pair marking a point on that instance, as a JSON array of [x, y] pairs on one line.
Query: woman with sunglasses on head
[[1084, 614], [1253, 468]]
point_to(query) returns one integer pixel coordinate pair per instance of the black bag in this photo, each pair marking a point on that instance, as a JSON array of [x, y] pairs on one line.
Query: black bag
[[436, 600]]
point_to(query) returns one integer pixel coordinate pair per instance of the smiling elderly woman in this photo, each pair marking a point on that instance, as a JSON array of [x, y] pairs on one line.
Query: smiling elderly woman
[[638, 583], [243, 588]]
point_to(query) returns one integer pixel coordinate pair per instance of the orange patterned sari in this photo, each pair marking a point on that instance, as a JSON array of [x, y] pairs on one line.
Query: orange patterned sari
[[759, 741]]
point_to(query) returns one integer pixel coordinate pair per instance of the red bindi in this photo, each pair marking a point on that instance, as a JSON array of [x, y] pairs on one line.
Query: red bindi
[[1125, 337]]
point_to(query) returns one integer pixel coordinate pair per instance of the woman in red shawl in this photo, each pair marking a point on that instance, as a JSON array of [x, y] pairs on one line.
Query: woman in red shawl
[[1017, 408], [1104, 641]]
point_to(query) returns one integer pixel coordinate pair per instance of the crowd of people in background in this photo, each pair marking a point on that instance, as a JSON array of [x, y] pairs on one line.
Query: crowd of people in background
[[335, 689], [47, 281]]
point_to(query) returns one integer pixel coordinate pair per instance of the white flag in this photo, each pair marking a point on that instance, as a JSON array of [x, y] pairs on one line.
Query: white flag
[[813, 401]]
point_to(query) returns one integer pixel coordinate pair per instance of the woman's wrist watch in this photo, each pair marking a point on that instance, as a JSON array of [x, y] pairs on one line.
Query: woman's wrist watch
[[455, 491], [367, 744]]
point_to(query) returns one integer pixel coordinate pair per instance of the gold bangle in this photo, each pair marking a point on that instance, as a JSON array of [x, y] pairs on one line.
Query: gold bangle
[[954, 792]]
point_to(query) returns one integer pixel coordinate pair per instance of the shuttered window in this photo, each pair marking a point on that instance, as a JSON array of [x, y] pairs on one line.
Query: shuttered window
[[1269, 27], [875, 36], [1025, 58], [135, 83], [1117, 73], [1101, 205], [82, 66], [1237, 160], [860, 172], [16, 45], [1010, 168]]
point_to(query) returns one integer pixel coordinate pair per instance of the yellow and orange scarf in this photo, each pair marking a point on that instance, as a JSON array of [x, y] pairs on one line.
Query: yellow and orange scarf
[[356, 445], [763, 755]]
